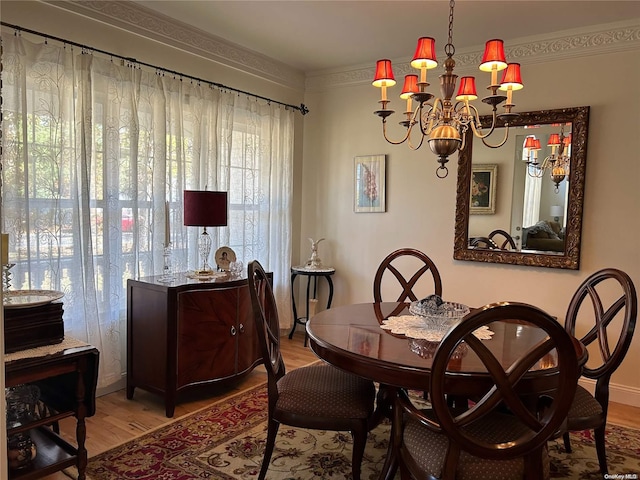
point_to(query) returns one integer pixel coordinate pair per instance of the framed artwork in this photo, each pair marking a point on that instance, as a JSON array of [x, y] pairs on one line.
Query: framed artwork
[[224, 256], [483, 189], [369, 184]]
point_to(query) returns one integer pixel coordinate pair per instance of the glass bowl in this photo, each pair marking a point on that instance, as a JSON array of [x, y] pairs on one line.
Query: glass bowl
[[445, 316]]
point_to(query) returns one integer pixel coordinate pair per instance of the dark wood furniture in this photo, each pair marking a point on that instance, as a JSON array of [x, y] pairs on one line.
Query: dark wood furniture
[[588, 411], [67, 383], [506, 242], [483, 440], [425, 264], [317, 396], [188, 334], [33, 326], [312, 277], [393, 364]]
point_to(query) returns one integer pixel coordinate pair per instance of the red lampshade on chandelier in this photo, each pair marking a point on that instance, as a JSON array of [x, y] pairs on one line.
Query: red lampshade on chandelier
[[557, 162], [443, 122]]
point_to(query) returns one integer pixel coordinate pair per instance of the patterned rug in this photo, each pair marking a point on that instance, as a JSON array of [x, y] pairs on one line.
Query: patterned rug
[[225, 441]]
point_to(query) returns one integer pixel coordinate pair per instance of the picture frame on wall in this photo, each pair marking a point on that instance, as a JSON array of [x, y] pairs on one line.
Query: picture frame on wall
[[484, 178], [369, 183]]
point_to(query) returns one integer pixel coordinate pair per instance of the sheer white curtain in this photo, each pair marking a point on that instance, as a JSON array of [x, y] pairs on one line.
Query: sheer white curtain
[[92, 151], [532, 193]]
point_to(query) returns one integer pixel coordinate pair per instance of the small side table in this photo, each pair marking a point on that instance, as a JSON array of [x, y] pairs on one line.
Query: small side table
[[312, 275]]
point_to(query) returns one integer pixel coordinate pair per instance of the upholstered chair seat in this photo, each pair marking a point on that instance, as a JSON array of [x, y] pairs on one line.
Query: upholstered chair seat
[[324, 391], [583, 409], [492, 429]]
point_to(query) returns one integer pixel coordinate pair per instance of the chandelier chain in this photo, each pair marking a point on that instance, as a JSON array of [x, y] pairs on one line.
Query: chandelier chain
[[449, 49]]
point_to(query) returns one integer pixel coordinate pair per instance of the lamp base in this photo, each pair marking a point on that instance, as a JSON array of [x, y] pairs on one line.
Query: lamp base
[[203, 273]]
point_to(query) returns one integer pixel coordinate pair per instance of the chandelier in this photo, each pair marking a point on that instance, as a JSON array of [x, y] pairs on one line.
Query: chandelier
[[557, 163], [443, 122]]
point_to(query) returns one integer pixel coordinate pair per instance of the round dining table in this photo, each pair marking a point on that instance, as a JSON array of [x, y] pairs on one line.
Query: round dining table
[[351, 338]]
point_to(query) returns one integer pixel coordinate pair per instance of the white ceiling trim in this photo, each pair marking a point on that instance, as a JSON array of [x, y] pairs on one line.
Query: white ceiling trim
[[598, 40], [591, 41], [139, 20]]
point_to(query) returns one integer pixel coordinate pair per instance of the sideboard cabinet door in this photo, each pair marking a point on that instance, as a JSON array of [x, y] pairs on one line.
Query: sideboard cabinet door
[[207, 335]]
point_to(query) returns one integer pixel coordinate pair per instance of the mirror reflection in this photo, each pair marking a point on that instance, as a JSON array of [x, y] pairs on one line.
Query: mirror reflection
[[522, 203]]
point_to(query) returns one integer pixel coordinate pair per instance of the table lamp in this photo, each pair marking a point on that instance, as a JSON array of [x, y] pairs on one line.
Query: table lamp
[[203, 208], [556, 212]]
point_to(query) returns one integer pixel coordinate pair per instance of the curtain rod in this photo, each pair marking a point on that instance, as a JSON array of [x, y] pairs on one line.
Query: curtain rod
[[302, 108]]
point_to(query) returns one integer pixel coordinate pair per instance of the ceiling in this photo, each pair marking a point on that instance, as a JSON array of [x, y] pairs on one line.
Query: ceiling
[[316, 35]]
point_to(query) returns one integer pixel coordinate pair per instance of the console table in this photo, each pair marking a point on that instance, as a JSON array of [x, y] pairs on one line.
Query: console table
[[312, 274], [188, 334], [66, 375]]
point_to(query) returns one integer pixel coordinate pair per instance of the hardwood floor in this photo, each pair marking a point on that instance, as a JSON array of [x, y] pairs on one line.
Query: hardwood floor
[[118, 419]]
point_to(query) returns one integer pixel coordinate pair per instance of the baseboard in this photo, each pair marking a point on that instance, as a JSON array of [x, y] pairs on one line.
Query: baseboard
[[617, 393]]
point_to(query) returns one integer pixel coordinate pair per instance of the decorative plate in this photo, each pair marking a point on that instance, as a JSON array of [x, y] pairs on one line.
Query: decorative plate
[[30, 298], [224, 256]]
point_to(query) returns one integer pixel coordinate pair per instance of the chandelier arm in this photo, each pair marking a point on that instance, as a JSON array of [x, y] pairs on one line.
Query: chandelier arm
[[431, 114], [535, 170], [504, 140], [478, 131], [412, 147], [394, 142]]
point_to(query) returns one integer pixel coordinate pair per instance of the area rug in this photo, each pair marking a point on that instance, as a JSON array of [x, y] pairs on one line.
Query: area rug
[[225, 441]]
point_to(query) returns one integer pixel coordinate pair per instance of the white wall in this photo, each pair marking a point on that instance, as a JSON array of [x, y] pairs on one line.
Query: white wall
[[420, 207]]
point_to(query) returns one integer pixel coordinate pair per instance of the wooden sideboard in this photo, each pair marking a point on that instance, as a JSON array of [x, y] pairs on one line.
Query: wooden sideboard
[[188, 334], [67, 384]]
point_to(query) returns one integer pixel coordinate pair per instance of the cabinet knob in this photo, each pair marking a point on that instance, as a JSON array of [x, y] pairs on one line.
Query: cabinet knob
[[233, 331], [241, 328]]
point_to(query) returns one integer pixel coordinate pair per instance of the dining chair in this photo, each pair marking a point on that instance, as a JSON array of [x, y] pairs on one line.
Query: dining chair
[[503, 434], [483, 242], [503, 239], [589, 412], [315, 397], [400, 261]]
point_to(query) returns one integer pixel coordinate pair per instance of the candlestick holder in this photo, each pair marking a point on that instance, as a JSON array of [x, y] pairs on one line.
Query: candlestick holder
[[167, 271]]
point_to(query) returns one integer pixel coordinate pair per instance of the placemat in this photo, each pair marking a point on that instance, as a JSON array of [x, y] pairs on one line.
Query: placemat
[[414, 327]]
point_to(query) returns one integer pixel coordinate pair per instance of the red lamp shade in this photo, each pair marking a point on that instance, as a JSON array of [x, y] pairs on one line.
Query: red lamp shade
[[554, 140], [511, 78], [410, 86], [567, 140], [493, 56], [530, 143], [384, 74], [425, 56], [205, 209], [467, 90], [537, 145]]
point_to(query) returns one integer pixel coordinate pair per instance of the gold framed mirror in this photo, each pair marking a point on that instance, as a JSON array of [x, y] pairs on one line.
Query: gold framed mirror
[[519, 186]]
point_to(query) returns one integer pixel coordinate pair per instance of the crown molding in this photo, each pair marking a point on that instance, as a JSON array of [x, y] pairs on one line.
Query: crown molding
[[141, 21], [597, 40]]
